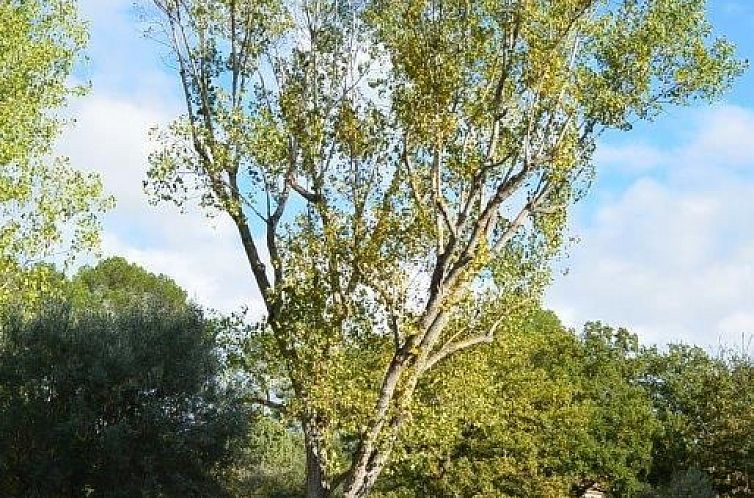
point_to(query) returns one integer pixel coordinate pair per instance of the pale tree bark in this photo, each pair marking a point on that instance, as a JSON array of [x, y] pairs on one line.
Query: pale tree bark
[[317, 483]]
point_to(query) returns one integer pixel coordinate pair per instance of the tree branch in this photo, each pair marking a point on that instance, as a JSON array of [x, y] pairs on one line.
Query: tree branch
[[453, 347]]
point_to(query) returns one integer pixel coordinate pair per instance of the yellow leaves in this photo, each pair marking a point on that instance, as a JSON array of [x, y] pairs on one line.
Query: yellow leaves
[[46, 207], [455, 167]]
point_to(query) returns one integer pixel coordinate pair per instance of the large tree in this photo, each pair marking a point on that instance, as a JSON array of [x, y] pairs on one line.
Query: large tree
[[538, 413], [400, 172], [113, 404], [116, 284], [47, 209], [706, 407]]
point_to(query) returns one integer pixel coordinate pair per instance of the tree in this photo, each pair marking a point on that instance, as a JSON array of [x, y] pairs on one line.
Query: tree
[[112, 404], [269, 462], [116, 283], [46, 208], [691, 483], [539, 413], [706, 407], [407, 166]]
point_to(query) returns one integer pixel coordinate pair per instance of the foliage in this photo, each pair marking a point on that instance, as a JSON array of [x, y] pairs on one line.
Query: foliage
[[112, 404], [116, 283], [410, 165], [691, 483], [47, 209], [270, 462], [706, 406], [537, 414]]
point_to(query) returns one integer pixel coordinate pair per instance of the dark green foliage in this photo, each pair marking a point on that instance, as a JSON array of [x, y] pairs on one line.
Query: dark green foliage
[[691, 483], [622, 423], [706, 407], [112, 404]]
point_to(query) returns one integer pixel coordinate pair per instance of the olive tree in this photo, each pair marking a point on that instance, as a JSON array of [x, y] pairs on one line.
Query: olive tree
[[400, 172], [117, 403]]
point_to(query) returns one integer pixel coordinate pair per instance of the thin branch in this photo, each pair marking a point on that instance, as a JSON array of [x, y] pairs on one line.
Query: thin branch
[[268, 403], [453, 347], [303, 192]]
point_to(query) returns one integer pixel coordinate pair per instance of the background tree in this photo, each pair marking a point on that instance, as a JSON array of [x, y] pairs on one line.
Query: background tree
[[706, 407], [46, 208], [115, 283], [407, 165], [691, 483], [112, 404], [269, 462], [538, 413]]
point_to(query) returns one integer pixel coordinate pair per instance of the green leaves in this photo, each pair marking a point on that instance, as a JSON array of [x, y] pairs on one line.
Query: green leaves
[[536, 413], [408, 167], [112, 404], [47, 209], [116, 284], [706, 406]]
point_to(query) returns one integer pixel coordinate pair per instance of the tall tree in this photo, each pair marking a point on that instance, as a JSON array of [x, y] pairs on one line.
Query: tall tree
[[46, 208], [407, 166]]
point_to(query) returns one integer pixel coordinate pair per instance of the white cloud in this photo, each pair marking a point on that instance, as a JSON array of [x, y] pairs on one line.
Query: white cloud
[[203, 255], [672, 256]]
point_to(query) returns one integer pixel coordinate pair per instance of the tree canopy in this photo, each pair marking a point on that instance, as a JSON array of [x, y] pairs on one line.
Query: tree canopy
[[47, 209], [109, 404], [539, 412], [408, 167], [116, 283], [706, 406]]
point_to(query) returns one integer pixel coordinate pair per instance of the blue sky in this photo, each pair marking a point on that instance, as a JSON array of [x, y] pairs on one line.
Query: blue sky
[[666, 236]]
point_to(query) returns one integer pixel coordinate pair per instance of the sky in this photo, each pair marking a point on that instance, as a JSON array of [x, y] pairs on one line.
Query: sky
[[665, 239]]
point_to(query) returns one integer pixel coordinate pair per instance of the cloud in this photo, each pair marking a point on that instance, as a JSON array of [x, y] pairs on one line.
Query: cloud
[[134, 90], [672, 255], [203, 255], [633, 158]]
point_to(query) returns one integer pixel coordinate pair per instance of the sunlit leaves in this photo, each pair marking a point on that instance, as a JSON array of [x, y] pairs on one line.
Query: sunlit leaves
[[47, 209], [408, 165]]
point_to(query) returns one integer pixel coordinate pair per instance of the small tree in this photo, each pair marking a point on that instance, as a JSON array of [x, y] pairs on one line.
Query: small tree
[[407, 166], [112, 404]]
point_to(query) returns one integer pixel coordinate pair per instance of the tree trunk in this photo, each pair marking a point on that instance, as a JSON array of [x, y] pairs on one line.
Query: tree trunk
[[362, 481], [317, 485]]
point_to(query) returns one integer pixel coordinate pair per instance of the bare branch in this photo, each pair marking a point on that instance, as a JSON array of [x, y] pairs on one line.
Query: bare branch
[[268, 403], [453, 347]]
